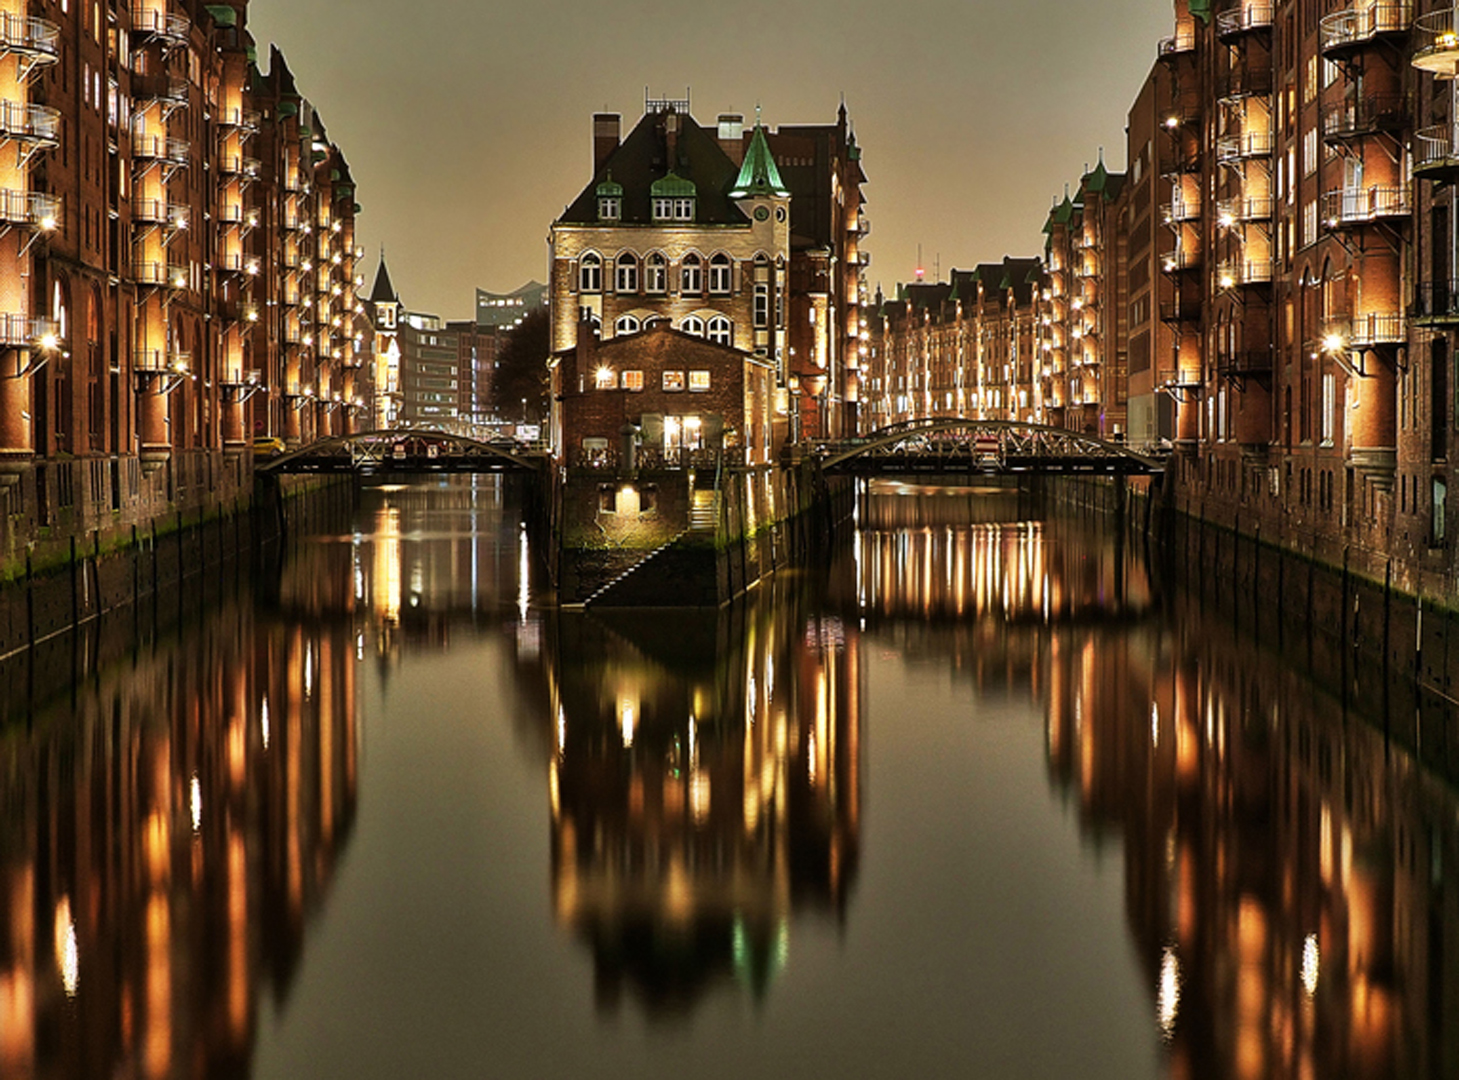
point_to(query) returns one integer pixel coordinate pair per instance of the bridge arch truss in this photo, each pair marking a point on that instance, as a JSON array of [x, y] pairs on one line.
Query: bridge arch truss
[[402, 450]]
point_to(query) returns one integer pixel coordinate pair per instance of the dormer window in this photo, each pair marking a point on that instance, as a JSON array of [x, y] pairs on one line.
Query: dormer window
[[672, 198], [610, 200]]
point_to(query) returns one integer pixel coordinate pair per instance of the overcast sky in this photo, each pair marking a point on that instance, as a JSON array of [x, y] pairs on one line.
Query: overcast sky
[[467, 123]]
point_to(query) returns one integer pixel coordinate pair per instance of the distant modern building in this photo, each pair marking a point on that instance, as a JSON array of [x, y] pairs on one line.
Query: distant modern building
[[506, 310]]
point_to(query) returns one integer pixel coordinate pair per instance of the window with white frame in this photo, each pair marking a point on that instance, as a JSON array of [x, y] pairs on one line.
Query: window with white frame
[[610, 208], [693, 324], [698, 380], [663, 209], [626, 324], [655, 273], [1327, 422], [590, 273], [721, 331], [625, 280], [762, 305], [719, 274], [691, 275], [683, 209]]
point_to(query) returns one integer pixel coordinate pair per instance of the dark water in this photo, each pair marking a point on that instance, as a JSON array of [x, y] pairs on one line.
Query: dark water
[[975, 799]]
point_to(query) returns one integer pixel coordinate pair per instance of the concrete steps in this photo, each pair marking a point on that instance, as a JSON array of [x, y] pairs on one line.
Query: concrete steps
[[704, 511]]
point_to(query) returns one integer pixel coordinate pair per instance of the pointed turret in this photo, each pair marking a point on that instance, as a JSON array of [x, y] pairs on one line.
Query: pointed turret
[[384, 291], [758, 174]]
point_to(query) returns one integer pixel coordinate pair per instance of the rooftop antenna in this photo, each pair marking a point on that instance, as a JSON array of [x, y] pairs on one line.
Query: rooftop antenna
[[920, 271]]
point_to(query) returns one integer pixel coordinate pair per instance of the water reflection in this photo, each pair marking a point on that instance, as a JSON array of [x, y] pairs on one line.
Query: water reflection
[[167, 833], [705, 787]]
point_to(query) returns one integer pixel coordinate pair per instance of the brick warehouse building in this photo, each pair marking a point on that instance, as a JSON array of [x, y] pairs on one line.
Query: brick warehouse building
[[178, 264], [750, 239]]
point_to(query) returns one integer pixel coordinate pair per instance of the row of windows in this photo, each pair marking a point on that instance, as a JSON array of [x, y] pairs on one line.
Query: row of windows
[[655, 273], [719, 329], [610, 208], [673, 381]]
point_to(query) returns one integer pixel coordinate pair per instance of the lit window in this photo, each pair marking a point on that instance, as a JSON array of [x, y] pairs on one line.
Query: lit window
[[693, 325], [655, 274], [591, 273], [673, 380], [762, 305], [720, 330], [691, 275], [719, 274], [626, 278], [607, 379], [683, 209], [663, 209], [610, 208], [626, 324], [633, 380], [698, 380]]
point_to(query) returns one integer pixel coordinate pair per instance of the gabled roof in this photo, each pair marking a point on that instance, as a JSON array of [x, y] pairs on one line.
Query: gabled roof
[[758, 174], [642, 159]]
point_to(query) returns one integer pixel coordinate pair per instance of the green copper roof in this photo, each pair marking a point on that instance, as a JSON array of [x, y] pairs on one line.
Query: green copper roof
[[1201, 9], [672, 186], [223, 15], [1096, 180], [1064, 213], [1006, 283], [610, 189], [758, 174]]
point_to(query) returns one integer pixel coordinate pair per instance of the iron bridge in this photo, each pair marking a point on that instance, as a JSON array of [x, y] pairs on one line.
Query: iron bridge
[[958, 445], [407, 450]]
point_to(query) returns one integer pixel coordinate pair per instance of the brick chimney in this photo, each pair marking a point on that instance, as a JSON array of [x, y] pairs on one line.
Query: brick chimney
[[606, 128], [671, 139]]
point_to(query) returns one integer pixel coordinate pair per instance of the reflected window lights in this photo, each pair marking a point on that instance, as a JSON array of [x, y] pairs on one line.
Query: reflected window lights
[[627, 718], [1167, 995], [68, 956], [263, 722], [1311, 965], [195, 802]]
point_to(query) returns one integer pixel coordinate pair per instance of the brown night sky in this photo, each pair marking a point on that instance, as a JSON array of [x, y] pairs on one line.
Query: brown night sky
[[467, 122]]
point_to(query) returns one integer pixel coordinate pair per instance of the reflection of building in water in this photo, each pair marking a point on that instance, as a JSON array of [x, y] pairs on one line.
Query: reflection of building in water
[[1291, 875], [706, 784], [164, 837], [422, 559]]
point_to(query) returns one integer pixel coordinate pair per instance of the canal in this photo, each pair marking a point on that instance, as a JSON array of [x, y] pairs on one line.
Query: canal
[[974, 796]]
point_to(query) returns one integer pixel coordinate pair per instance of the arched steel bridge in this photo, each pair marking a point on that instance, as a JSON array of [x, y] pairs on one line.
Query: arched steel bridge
[[404, 450], [955, 444]]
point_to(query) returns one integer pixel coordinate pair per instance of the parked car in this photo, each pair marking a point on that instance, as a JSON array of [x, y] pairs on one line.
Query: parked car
[[267, 446]]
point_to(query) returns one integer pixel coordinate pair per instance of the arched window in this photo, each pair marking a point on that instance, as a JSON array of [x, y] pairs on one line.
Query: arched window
[[590, 273], [655, 274], [719, 274], [625, 280], [693, 325], [654, 320], [691, 275], [721, 331], [626, 324]]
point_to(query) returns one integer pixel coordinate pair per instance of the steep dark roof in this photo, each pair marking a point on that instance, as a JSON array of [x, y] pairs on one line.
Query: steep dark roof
[[384, 291], [1023, 276], [643, 158]]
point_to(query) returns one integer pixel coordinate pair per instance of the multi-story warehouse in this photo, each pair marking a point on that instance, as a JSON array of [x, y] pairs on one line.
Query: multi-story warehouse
[[163, 299], [749, 239]]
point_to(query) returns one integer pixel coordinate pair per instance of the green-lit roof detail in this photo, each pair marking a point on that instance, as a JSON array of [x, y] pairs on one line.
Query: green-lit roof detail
[[1096, 180], [610, 189], [288, 108], [1034, 276], [672, 186], [1201, 9], [223, 15], [758, 174], [1064, 212], [1007, 282]]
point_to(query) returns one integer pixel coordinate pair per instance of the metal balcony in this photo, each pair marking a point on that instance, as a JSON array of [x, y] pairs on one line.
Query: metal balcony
[[1180, 310], [1241, 211], [1181, 43], [1243, 273], [1372, 115], [160, 212], [167, 89], [1243, 364], [238, 165], [148, 147], [1181, 210], [35, 42], [1365, 331], [1345, 33], [29, 209], [156, 22], [38, 125], [161, 274], [23, 331], [1181, 260], [1234, 149], [160, 361], [1436, 43], [1434, 154], [1243, 81], [1231, 25], [245, 120], [1352, 208]]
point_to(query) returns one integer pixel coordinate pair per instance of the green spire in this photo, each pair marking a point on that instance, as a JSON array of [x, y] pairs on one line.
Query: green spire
[[1201, 9], [758, 175]]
